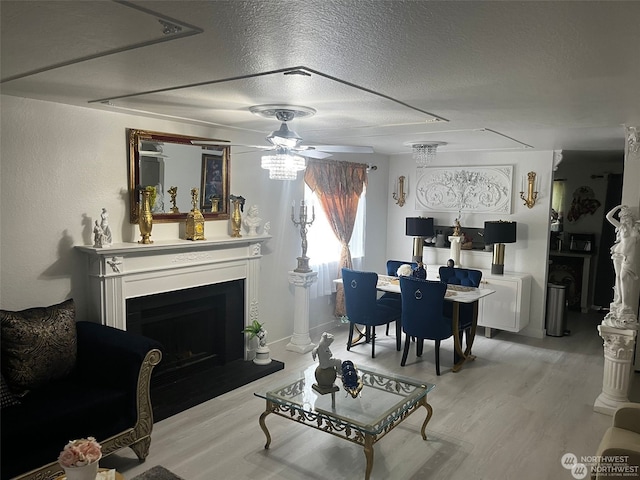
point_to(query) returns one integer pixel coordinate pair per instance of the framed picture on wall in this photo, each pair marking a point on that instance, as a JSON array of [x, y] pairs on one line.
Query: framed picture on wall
[[214, 195], [465, 189]]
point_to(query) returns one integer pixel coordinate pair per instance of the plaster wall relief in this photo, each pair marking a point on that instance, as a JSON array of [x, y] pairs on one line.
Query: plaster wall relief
[[467, 189]]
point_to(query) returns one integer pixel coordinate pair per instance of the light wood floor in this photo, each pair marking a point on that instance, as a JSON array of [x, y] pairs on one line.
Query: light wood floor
[[510, 414]]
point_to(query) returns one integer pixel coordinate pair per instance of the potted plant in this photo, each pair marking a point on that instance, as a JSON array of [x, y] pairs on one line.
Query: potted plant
[[256, 329], [80, 458]]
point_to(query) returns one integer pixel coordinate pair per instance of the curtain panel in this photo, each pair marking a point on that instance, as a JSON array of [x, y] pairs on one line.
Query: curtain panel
[[338, 186]]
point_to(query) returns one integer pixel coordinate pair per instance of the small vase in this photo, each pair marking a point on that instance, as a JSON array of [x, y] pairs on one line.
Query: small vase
[[146, 219], [85, 472], [236, 219]]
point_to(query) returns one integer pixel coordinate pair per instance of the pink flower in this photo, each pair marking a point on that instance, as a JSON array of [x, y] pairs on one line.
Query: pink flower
[[80, 452]]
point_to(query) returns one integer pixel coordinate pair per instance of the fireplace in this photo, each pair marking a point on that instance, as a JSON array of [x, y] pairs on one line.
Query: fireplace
[[195, 298], [198, 327]]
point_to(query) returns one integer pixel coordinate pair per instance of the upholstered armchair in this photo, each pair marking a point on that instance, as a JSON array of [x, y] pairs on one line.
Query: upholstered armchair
[[364, 308], [621, 440]]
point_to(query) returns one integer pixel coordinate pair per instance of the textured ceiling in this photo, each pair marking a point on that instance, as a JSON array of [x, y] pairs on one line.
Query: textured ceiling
[[498, 75]]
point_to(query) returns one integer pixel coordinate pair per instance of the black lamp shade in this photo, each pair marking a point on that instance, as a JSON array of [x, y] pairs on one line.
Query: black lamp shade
[[499, 232], [419, 227]]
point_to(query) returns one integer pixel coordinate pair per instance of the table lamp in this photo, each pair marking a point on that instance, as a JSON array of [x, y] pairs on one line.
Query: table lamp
[[498, 233], [419, 228]]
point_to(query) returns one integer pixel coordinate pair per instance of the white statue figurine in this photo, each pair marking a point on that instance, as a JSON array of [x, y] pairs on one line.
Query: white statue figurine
[[252, 221], [106, 229], [625, 254], [323, 352], [98, 236], [328, 367]]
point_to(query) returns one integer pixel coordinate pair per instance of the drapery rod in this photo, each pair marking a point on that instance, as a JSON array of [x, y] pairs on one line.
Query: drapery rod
[[371, 167]]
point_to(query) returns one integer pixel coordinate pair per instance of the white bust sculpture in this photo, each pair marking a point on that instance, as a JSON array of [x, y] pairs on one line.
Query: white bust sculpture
[[252, 221], [625, 254]]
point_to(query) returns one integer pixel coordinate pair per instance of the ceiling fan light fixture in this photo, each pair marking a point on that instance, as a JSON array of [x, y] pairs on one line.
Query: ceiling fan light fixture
[[283, 165], [283, 137]]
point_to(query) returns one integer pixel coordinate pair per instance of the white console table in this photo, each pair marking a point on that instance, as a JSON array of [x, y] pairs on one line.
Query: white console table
[[508, 308]]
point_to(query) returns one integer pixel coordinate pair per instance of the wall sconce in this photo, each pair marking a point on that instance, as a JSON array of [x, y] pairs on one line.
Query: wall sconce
[[532, 196], [399, 195]]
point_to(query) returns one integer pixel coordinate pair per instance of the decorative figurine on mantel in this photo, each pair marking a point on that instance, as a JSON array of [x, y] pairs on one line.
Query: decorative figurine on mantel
[[106, 229], [215, 203], [252, 221], [327, 369], [625, 254], [195, 219], [102, 231], [173, 191], [236, 216], [303, 260]]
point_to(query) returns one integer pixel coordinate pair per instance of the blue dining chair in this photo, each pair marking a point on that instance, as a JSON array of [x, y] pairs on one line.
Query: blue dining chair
[[461, 276], [466, 277], [364, 308], [422, 315], [393, 299]]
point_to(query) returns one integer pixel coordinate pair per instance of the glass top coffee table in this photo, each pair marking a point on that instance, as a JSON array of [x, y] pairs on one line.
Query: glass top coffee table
[[385, 400]]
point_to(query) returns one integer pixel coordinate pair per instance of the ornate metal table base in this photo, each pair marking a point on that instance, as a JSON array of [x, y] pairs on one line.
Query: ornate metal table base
[[322, 420], [462, 357]]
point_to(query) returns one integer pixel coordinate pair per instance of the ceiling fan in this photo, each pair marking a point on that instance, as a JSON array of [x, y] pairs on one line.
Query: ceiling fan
[[288, 142]]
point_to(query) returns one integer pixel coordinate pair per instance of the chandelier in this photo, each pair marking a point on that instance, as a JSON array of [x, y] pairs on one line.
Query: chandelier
[[424, 153], [283, 165]]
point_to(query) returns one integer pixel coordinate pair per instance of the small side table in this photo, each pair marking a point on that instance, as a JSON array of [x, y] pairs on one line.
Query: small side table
[[118, 475]]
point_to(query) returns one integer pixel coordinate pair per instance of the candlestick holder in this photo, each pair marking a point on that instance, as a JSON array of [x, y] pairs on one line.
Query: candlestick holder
[[532, 196], [303, 260]]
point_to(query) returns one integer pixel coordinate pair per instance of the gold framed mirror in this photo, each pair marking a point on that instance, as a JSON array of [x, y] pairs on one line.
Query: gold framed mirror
[[174, 165]]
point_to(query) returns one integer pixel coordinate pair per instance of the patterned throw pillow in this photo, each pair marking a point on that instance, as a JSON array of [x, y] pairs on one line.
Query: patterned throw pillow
[[7, 398], [38, 345]]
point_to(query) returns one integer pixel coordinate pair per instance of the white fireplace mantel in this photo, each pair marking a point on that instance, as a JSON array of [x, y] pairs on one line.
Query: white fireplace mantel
[[130, 270]]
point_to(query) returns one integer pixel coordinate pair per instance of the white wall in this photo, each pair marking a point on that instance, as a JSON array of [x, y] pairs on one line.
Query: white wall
[[529, 253], [61, 164]]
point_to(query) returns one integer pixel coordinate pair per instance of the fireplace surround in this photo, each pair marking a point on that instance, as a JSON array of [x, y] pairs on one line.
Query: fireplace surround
[[170, 288], [131, 270]]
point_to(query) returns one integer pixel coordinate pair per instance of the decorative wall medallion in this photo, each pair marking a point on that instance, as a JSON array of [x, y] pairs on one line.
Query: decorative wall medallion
[[466, 189]]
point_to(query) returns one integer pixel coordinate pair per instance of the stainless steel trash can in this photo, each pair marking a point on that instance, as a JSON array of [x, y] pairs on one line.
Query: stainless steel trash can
[[557, 310]]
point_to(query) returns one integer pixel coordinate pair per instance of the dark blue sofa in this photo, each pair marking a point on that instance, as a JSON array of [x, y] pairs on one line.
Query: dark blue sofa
[[106, 396]]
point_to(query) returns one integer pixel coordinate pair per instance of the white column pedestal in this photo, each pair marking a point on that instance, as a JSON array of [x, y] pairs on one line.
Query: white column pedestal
[[619, 345], [301, 341], [456, 244]]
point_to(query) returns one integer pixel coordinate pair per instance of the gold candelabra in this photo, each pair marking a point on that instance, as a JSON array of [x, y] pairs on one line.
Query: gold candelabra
[[303, 260], [532, 194], [399, 196]]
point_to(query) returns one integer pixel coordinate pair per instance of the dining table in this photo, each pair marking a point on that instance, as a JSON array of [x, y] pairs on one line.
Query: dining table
[[457, 295]]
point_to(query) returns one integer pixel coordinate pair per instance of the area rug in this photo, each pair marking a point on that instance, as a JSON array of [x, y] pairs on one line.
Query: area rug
[[157, 473]]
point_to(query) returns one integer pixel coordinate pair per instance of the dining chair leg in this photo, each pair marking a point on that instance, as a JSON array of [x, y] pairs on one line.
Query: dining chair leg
[[350, 339], [419, 346], [438, 357], [407, 342], [373, 342], [398, 334]]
